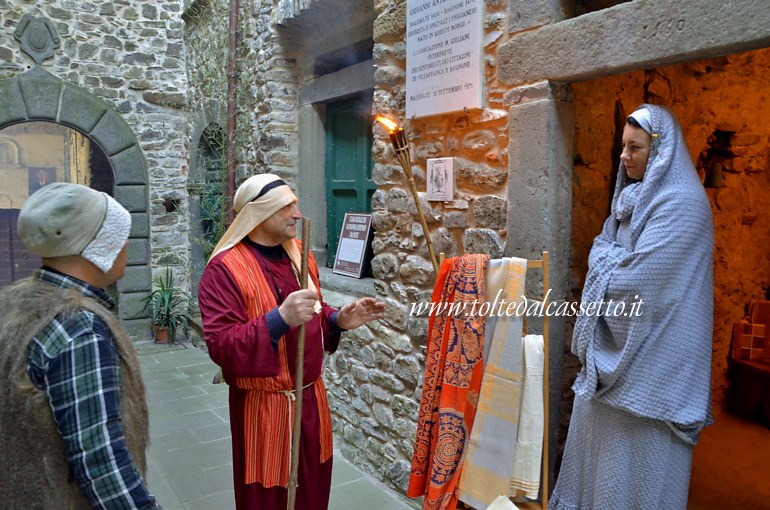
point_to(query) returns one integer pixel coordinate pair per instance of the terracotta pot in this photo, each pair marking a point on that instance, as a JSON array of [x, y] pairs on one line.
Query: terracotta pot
[[161, 334]]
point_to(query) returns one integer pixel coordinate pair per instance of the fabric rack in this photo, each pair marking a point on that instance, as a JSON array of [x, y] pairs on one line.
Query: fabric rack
[[542, 264]]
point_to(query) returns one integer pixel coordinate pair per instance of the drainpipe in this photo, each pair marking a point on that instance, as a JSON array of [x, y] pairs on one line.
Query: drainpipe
[[232, 82]]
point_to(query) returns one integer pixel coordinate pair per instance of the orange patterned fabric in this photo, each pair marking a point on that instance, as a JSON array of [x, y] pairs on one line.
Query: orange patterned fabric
[[269, 415], [453, 371]]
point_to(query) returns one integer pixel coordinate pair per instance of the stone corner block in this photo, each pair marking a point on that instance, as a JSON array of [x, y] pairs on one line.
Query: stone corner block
[[133, 197], [131, 305], [136, 279], [41, 92], [12, 107], [138, 252], [80, 109], [140, 225], [113, 134], [137, 329], [129, 166]]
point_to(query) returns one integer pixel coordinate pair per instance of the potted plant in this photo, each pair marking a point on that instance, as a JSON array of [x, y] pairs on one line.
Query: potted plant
[[171, 308]]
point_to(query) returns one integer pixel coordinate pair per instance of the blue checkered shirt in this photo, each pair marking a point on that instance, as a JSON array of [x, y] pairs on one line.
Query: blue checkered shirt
[[75, 362]]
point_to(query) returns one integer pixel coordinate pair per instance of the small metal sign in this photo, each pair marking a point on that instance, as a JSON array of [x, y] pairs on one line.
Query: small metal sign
[[354, 245]]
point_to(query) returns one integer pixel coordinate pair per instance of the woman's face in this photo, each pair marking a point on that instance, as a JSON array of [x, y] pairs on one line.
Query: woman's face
[[636, 151]]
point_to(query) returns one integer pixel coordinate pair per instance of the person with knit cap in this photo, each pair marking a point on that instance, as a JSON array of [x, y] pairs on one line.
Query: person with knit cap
[[73, 425], [252, 305], [643, 395]]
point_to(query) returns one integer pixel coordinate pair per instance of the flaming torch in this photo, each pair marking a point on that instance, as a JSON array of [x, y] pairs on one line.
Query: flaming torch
[[401, 146]]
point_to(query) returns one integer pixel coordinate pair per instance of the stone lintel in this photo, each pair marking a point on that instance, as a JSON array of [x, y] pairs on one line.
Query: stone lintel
[[631, 36], [342, 83]]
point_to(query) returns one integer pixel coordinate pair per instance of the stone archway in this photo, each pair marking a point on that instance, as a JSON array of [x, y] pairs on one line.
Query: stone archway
[[209, 118], [37, 95]]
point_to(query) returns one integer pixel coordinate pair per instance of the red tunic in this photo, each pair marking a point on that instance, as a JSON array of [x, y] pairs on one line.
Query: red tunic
[[243, 348]]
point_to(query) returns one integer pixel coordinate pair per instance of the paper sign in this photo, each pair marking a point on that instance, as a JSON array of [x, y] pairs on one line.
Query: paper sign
[[441, 179], [352, 248]]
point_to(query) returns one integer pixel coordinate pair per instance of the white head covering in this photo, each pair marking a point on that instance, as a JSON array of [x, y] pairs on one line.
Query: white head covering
[[63, 219], [644, 118], [257, 199], [667, 252]]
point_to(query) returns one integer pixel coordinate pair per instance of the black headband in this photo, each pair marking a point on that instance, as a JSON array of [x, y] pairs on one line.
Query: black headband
[[267, 187]]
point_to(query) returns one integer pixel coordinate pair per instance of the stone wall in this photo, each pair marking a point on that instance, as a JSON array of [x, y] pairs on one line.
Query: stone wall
[[724, 94], [376, 378], [267, 86], [130, 54]]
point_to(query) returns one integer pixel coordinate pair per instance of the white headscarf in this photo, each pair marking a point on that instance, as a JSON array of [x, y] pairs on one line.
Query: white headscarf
[[644, 118], [257, 199]]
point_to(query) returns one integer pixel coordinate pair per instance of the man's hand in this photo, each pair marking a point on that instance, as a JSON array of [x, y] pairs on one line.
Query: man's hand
[[360, 312], [297, 308]]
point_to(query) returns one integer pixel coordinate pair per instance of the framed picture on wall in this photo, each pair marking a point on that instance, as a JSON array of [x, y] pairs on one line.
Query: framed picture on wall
[[441, 179], [40, 176]]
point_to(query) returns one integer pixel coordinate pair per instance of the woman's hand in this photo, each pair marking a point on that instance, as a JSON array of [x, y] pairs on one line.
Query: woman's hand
[[360, 312]]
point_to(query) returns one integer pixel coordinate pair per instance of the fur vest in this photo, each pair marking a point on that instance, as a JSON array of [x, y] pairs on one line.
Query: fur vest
[[34, 472]]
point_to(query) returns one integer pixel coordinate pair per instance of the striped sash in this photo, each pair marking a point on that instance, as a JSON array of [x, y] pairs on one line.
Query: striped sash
[[269, 412]]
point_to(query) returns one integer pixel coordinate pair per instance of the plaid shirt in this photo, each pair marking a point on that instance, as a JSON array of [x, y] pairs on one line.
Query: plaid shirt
[[75, 362]]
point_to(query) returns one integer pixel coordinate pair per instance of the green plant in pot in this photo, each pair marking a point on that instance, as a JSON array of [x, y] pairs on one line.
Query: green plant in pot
[[171, 308]]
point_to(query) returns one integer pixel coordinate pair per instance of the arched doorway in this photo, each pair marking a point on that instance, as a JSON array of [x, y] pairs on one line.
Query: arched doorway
[[37, 97], [33, 155], [208, 199]]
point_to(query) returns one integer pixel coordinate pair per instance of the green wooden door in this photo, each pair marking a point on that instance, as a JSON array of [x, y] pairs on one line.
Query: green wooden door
[[349, 185]]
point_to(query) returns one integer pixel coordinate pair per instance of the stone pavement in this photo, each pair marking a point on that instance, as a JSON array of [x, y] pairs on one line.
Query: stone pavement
[[189, 462]]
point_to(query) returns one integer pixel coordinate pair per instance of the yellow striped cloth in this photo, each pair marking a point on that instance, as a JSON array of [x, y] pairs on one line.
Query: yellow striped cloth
[[505, 446]]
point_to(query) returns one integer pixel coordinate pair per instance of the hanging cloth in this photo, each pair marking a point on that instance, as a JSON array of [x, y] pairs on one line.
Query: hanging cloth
[[451, 384], [505, 446]]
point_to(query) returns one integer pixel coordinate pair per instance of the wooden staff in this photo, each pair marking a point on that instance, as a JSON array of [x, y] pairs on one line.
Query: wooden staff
[[299, 375]]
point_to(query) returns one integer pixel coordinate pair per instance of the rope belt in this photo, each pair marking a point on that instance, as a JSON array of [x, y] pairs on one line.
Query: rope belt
[[292, 396]]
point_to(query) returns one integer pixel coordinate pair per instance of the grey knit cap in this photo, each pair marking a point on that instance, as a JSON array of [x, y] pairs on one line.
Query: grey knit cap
[[64, 219]]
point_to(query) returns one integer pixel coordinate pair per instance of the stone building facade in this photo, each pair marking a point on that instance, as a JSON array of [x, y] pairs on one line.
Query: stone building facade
[[116, 73], [532, 166], [519, 160]]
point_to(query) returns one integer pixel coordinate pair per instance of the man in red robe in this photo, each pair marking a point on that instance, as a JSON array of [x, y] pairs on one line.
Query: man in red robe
[[252, 304]]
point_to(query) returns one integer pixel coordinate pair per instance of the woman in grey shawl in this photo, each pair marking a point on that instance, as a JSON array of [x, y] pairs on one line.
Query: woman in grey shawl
[[644, 392]]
